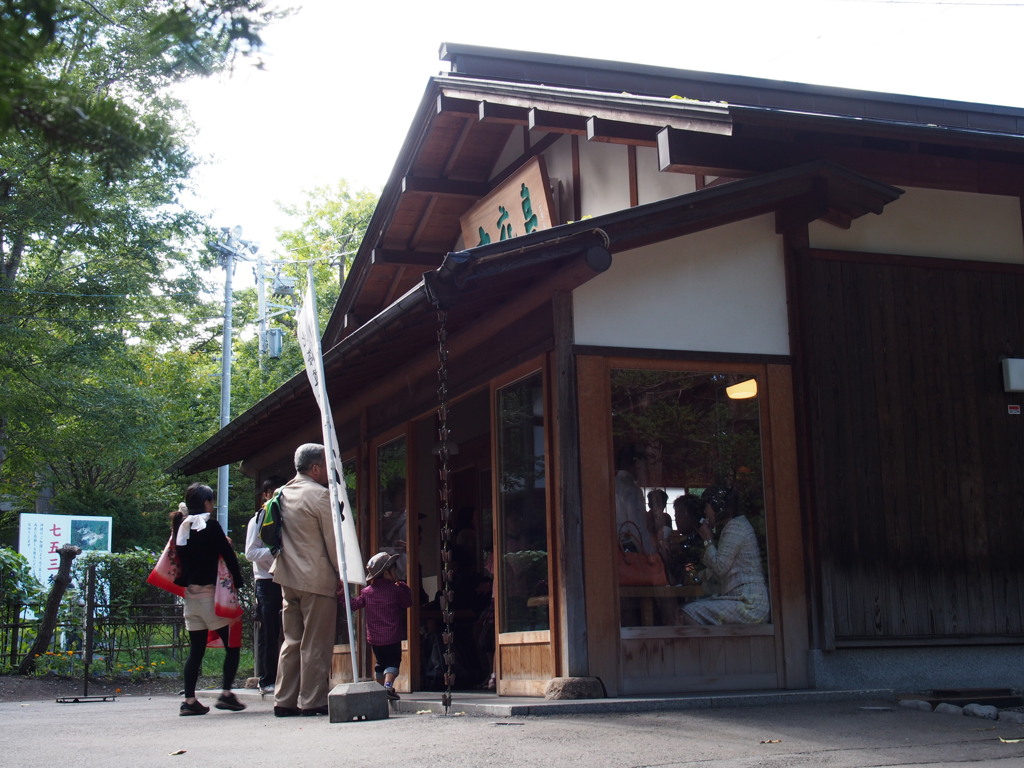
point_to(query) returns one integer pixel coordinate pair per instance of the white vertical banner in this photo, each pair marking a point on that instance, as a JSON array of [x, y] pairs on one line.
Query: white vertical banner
[[350, 559]]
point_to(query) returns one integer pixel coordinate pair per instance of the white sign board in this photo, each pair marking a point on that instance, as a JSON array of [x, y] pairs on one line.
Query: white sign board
[[41, 536]]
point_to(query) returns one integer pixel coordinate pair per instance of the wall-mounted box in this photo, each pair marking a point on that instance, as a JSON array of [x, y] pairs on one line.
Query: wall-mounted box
[[1013, 374]]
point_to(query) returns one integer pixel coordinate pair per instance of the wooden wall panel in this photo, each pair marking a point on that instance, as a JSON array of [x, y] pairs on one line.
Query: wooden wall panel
[[524, 668], [916, 458], [708, 662], [341, 665]]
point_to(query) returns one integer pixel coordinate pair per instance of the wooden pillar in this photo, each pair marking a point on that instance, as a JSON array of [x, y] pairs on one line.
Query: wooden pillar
[[598, 499], [796, 243], [569, 519]]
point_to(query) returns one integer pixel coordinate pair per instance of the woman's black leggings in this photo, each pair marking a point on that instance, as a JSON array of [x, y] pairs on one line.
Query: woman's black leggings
[[194, 662]]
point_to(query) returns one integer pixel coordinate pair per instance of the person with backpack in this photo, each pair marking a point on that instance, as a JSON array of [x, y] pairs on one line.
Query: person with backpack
[[385, 601], [307, 571], [268, 593]]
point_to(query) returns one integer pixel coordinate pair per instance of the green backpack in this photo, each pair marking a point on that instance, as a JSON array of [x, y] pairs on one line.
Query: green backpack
[[271, 522]]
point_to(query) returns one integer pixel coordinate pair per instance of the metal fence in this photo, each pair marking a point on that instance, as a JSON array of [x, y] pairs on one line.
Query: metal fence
[[99, 633]]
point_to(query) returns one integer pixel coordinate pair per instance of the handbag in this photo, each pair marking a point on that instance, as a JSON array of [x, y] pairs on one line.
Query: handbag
[[234, 636], [226, 605], [637, 568], [225, 595], [166, 570]]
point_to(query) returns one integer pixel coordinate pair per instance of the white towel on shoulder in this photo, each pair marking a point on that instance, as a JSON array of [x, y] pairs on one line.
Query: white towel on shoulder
[[189, 524]]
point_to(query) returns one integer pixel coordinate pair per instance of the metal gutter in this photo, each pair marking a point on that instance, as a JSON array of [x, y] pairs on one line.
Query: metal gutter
[[473, 61]]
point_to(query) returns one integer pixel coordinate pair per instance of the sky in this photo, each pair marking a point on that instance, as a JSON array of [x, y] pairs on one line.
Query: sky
[[341, 81]]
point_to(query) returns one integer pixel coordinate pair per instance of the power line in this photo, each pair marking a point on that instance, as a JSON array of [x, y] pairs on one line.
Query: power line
[[936, 3], [126, 321], [97, 295]]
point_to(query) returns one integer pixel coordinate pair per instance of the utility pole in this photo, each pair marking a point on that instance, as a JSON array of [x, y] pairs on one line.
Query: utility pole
[[228, 249], [281, 285], [261, 311]]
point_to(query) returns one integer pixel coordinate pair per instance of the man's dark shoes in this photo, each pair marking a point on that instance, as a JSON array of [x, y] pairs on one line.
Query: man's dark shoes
[[392, 693], [286, 712], [316, 711], [195, 708], [230, 702]]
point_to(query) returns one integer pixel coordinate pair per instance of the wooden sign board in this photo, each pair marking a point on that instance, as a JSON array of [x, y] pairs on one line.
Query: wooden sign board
[[521, 204]]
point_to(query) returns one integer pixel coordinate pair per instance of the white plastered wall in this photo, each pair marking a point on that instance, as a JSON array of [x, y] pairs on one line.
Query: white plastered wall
[[936, 223], [604, 178], [653, 185], [723, 290], [513, 149]]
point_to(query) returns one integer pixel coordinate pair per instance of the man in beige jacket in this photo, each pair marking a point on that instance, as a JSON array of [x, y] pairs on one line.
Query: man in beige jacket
[[307, 570]]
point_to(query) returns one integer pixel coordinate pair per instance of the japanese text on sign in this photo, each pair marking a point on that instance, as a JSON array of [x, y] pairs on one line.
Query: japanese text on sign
[[517, 207]]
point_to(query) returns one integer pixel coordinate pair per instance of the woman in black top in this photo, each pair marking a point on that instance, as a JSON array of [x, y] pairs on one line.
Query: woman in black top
[[200, 542]]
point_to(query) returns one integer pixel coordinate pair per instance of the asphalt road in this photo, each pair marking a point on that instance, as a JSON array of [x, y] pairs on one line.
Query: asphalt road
[[147, 731]]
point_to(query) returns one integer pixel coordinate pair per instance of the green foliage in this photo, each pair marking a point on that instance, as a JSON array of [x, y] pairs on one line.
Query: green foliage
[[18, 586], [129, 604], [56, 85], [134, 526], [331, 224], [108, 363], [99, 275]]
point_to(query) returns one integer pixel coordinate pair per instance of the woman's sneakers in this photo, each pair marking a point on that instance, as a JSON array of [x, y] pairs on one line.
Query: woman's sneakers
[[230, 702], [226, 701], [195, 708]]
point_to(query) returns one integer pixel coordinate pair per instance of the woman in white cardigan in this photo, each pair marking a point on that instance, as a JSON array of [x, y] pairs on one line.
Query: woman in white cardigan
[[735, 561]]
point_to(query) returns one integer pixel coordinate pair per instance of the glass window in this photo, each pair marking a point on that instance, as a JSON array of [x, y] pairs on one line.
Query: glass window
[[688, 470], [348, 471], [391, 503], [522, 506]]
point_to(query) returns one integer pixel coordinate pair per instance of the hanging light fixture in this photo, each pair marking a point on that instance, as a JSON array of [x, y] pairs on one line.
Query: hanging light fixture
[[744, 390]]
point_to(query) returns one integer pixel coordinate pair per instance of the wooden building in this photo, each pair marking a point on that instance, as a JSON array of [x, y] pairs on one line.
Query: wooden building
[[609, 249]]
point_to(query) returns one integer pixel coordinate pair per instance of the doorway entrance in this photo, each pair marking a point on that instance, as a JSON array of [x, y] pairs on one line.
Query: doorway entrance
[[472, 546]]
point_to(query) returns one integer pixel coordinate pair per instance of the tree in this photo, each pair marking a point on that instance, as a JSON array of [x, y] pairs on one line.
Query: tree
[[53, 85], [329, 225], [48, 623], [97, 267]]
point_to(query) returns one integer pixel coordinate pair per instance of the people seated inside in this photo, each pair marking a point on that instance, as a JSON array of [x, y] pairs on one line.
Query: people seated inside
[[735, 560]]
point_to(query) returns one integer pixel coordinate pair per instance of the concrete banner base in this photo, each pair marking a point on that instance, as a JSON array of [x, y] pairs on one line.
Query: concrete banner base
[[357, 701]]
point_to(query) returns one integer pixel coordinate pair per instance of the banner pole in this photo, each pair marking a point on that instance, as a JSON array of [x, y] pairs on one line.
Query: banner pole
[[334, 475]]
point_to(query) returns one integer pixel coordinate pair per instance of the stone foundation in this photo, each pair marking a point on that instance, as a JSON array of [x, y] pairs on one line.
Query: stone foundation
[[574, 688]]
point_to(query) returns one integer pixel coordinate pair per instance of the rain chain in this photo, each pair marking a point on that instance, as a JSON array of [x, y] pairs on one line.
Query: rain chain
[[447, 575]]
